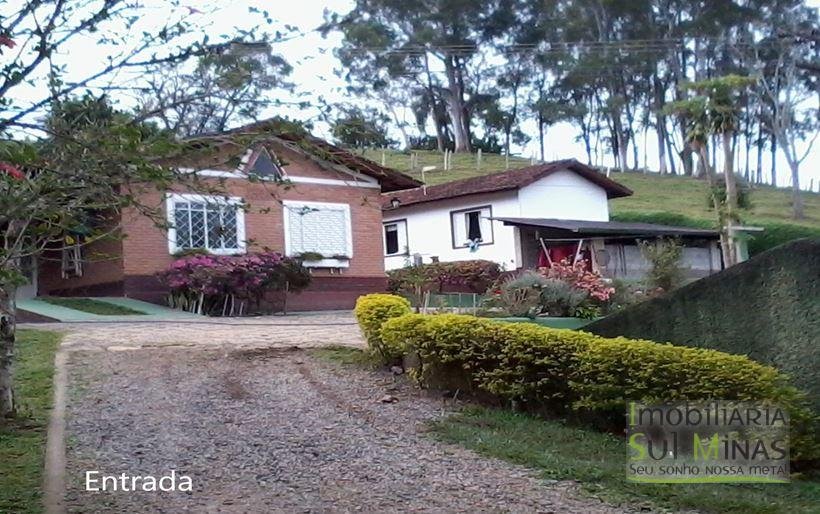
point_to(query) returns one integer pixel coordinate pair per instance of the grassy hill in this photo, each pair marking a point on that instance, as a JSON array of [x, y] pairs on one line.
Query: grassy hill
[[665, 199]]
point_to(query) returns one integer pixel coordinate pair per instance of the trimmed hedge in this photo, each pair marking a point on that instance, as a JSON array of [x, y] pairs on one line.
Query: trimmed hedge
[[774, 234], [473, 276], [767, 308], [564, 370], [371, 312]]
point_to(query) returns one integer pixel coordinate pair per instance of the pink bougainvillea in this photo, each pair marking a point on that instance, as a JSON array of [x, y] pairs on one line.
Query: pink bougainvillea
[[577, 275], [211, 279]]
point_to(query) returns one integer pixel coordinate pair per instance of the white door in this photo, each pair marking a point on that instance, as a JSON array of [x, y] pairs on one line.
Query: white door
[[29, 288]]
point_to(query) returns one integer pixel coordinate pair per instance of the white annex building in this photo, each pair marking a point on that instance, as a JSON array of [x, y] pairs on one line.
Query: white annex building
[[527, 218]]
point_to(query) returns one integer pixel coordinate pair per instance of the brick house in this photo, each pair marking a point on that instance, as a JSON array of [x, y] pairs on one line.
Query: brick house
[[306, 196]]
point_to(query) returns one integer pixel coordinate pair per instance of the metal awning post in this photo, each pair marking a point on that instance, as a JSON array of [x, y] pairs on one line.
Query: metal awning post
[[544, 247], [578, 251]]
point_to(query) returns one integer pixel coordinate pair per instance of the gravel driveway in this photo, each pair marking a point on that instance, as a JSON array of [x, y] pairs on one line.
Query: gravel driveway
[[276, 430]]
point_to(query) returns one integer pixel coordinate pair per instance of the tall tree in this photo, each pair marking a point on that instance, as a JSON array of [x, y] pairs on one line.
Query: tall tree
[[789, 93], [361, 128], [408, 38], [227, 87]]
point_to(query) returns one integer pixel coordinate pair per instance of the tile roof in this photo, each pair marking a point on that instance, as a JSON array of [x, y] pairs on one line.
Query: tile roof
[[504, 181], [274, 129]]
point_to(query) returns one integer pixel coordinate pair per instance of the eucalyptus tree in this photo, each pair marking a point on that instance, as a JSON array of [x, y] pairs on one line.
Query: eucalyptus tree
[[427, 42], [788, 89]]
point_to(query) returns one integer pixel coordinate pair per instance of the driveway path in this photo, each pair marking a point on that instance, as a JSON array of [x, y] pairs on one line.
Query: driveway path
[[261, 426]]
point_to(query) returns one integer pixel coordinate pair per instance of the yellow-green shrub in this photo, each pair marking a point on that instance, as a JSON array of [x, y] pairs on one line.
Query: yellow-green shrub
[[596, 376], [371, 312]]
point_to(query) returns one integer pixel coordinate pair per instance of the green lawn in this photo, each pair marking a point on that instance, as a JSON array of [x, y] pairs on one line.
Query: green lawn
[[653, 193], [23, 441], [345, 355], [598, 462], [91, 305]]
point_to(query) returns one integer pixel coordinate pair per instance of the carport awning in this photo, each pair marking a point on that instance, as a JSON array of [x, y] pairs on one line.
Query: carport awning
[[583, 228]]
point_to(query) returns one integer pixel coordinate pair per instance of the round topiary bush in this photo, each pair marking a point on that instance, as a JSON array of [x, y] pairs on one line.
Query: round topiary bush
[[371, 312]]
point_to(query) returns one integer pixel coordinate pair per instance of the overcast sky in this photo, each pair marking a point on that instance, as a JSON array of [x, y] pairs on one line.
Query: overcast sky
[[314, 65]]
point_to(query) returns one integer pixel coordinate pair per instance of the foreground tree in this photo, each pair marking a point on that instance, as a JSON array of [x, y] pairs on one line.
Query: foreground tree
[[75, 182], [85, 162]]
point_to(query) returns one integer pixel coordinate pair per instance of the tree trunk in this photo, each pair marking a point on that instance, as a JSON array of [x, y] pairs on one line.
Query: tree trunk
[[455, 104], [434, 107], [541, 134], [661, 146], [7, 329], [729, 175], [797, 198], [759, 144], [774, 159]]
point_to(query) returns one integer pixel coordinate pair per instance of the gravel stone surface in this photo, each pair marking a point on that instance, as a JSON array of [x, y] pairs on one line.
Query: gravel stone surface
[[276, 430]]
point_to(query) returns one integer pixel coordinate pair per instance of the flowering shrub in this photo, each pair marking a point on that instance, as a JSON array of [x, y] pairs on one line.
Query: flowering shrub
[[474, 275], [578, 276], [213, 284]]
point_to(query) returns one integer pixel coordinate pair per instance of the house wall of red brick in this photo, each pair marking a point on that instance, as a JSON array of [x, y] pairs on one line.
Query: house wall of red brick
[[102, 271], [145, 251]]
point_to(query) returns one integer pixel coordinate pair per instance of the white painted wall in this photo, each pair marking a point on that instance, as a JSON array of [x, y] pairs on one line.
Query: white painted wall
[[429, 232], [564, 195]]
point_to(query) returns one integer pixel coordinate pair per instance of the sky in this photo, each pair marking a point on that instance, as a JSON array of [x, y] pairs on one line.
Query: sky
[[314, 66]]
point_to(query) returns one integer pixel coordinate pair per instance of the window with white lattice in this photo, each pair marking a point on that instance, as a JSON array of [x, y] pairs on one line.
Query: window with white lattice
[[318, 231], [212, 223]]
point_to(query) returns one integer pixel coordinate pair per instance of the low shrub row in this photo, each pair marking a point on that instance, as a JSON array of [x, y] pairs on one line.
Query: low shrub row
[[473, 276], [567, 371]]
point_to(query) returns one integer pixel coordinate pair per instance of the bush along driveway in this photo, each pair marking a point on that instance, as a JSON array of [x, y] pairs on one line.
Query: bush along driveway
[[278, 430]]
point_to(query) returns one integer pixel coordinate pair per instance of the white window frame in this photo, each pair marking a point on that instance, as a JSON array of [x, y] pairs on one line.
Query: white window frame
[[458, 226], [172, 198], [288, 205], [401, 230]]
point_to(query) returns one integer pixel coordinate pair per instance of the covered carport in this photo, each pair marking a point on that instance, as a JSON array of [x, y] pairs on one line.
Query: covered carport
[[610, 247]]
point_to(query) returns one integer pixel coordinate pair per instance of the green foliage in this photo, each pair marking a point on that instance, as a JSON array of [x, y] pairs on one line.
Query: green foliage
[[474, 275], [767, 308], [558, 298], [664, 256], [23, 441], [520, 296], [361, 128], [744, 193], [595, 376], [776, 234], [371, 312]]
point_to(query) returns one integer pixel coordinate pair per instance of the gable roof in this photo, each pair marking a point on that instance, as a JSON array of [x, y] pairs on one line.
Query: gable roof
[[505, 181], [325, 154]]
